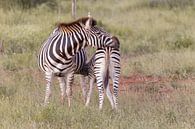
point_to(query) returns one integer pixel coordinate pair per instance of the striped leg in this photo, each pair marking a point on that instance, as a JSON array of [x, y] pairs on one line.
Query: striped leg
[[115, 70], [62, 88], [91, 83], [109, 95], [115, 73], [49, 77], [83, 86], [69, 82], [101, 92], [100, 71], [115, 91]]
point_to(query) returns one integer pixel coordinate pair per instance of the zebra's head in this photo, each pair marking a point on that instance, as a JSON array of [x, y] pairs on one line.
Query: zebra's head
[[96, 36], [117, 42]]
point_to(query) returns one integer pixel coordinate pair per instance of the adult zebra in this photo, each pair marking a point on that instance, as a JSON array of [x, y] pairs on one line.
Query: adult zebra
[[104, 64], [55, 57]]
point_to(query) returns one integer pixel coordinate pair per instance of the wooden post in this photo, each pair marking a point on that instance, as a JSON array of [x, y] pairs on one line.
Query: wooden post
[[74, 9]]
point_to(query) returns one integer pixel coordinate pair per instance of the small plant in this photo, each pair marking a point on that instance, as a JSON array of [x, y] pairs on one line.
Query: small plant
[[152, 89], [6, 92], [137, 66], [171, 117], [45, 115], [180, 42], [182, 72], [3, 91], [183, 42]]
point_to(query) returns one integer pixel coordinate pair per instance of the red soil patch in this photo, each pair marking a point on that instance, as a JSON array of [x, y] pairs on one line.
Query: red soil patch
[[140, 83], [142, 79]]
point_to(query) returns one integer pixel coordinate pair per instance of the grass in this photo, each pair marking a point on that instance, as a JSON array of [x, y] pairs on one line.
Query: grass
[[21, 107], [161, 64], [157, 39]]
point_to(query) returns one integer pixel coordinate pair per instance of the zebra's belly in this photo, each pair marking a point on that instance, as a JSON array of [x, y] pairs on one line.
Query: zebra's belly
[[58, 69]]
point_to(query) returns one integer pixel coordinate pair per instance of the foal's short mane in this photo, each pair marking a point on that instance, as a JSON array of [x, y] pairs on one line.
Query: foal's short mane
[[116, 40], [82, 20]]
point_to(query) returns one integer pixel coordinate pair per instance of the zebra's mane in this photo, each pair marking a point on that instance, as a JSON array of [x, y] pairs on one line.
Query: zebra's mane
[[116, 40], [82, 20]]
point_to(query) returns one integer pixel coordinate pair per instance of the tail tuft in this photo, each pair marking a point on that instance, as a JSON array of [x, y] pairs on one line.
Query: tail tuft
[[106, 79]]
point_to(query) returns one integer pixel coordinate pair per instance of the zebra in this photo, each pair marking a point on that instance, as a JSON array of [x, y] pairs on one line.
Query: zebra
[[56, 54], [104, 63]]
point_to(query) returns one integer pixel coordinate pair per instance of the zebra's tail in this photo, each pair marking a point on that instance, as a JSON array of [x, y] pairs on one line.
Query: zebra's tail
[[106, 79], [106, 74]]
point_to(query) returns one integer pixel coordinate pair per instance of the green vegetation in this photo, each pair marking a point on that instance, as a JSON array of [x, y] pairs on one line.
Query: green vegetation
[[157, 39]]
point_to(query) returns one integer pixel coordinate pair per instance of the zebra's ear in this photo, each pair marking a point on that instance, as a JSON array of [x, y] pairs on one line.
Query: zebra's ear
[[88, 23]]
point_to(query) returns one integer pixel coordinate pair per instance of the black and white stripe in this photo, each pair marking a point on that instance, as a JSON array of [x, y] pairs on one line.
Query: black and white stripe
[[105, 64], [57, 52]]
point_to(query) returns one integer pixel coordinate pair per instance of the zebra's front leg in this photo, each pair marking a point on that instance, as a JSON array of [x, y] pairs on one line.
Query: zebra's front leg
[[49, 77], [69, 82], [91, 83], [62, 88]]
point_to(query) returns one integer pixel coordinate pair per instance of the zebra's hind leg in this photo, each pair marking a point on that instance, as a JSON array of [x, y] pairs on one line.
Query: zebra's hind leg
[[69, 82], [109, 95], [49, 77], [101, 92], [91, 83], [83, 87], [115, 92], [62, 88]]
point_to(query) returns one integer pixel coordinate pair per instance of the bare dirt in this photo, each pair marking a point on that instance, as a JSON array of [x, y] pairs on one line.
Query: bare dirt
[[138, 82]]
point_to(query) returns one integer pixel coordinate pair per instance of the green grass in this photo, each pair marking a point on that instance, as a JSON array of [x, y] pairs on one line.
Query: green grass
[[21, 107], [157, 39], [180, 64]]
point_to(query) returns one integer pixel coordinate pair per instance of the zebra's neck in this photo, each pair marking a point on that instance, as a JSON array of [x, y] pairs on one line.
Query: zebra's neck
[[72, 42]]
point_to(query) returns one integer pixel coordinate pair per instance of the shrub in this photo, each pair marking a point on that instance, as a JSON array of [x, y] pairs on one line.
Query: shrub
[[183, 42], [171, 117], [23, 4], [171, 3], [6, 92], [2, 91]]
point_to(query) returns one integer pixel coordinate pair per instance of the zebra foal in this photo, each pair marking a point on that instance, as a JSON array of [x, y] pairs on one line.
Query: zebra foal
[[56, 54], [104, 64]]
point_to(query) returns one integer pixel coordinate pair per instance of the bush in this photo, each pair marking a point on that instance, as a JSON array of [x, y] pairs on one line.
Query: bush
[[171, 117], [6, 92], [183, 42], [171, 3], [180, 41], [23, 4]]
